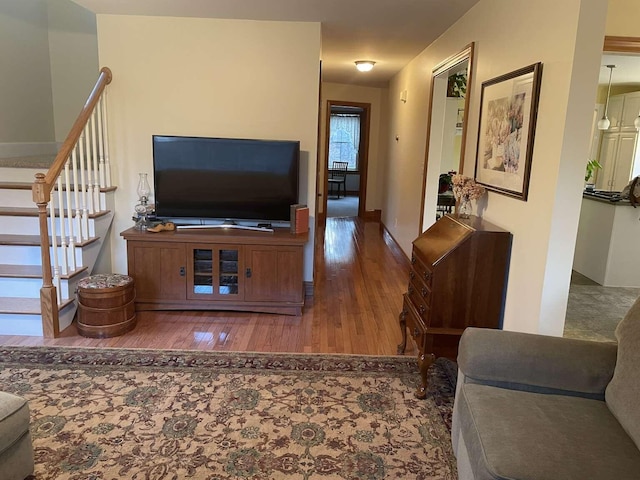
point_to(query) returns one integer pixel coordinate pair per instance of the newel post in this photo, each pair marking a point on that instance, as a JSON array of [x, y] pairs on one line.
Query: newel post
[[48, 295]]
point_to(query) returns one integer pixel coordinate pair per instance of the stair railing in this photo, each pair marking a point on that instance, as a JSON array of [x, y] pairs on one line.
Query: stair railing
[[84, 155]]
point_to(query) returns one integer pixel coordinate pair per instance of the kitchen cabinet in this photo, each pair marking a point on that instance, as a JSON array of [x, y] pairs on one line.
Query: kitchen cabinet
[[618, 152], [619, 159]]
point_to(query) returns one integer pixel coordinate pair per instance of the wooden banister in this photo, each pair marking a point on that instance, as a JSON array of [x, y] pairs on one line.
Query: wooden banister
[[43, 193]]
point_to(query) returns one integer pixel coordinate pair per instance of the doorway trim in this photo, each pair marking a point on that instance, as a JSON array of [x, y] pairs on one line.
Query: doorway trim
[[621, 44], [363, 153]]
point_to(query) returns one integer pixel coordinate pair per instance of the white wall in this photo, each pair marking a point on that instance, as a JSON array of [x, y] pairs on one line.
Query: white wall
[[377, 97], [25, 82], [207, 77], [510, 35], [73, 50]]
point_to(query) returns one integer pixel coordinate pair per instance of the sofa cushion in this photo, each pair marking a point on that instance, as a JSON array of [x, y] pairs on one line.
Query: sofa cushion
[[14, 419], [623, 392], [512, 434]]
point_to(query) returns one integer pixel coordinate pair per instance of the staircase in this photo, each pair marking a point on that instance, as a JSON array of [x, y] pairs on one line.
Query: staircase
[[59, 220]]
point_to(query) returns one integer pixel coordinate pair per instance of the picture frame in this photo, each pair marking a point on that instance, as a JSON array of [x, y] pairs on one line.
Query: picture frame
[[508, 113]]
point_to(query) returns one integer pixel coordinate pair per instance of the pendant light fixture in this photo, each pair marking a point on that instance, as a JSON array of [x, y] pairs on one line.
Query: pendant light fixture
[[603, 123]]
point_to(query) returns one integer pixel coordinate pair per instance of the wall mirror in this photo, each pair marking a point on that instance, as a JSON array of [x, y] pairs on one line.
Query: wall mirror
[[446, 136]]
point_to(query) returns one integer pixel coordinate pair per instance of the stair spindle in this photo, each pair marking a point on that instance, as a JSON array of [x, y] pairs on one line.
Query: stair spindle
[[88, 164], [72, 245], [77, 218], [107, 162], [83, 190], [94, 157]]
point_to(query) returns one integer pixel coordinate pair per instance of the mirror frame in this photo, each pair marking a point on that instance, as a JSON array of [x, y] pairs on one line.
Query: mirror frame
[[467, 53]]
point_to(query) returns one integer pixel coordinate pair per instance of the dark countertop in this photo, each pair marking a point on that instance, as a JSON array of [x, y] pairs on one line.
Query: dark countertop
[[612, 198]]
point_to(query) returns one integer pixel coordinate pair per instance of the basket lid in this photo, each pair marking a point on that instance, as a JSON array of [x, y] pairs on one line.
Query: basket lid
[[105, 280]]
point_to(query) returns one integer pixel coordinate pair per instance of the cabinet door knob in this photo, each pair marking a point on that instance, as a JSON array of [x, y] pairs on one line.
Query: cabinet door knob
[[422, 309], [183, 271], [248, 273]]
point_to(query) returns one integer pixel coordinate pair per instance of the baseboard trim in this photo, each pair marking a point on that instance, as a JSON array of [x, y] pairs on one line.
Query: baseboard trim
[[308, 289], [397, 246], [373, 215]]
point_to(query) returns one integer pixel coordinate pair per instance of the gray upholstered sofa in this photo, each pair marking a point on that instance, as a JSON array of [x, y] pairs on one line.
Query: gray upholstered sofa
[[538, 407], [16, 452]]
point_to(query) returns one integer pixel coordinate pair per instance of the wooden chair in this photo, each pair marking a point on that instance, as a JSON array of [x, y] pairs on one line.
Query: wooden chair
[[338, 176]]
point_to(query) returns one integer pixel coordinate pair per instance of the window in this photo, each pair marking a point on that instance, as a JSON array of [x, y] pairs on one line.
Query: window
[[344, 139]]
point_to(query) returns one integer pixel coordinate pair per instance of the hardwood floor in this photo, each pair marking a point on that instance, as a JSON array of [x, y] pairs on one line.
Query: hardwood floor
[[361, 275]]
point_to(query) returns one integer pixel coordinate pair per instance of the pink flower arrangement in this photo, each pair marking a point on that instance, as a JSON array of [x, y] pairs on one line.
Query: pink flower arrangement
[[465, 188]]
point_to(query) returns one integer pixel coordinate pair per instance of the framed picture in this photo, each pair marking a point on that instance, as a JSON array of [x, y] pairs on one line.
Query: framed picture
[[508, 110]]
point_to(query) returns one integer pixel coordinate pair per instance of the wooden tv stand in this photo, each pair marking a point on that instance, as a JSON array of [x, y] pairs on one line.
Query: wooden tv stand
[[217, 269]]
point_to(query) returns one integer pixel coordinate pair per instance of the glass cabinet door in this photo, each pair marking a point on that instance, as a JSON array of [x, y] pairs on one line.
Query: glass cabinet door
[[215, 272], [228, 272]]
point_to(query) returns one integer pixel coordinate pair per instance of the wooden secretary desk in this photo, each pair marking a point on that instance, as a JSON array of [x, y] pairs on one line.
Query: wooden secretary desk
[[458, 279]]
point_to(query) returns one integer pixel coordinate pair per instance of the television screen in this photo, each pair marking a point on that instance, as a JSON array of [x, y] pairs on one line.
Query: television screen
[[225, 178]]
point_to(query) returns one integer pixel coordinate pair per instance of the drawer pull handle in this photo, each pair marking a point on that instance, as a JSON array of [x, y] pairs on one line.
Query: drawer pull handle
[[422, 309], [410, 289], [427, 275], [424, 291], [183, 271], [413, 260], [416, 332], [412, 275]]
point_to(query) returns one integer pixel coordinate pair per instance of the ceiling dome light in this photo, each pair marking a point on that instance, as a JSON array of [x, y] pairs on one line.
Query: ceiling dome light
[[364, 65]]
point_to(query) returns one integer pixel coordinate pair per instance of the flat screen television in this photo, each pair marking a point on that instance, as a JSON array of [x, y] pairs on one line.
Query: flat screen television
[[225, 178]]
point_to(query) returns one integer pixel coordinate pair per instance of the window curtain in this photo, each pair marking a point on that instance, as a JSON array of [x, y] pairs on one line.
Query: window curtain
[[344, 139]]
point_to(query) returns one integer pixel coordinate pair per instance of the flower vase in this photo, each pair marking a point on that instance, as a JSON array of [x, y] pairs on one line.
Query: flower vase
[[464, 208]]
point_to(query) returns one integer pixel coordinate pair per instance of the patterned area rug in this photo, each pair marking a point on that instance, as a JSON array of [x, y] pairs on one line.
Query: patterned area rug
[[107, 414]]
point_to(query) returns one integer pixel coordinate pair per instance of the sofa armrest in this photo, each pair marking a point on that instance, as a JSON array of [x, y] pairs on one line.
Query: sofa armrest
[[536, 363]]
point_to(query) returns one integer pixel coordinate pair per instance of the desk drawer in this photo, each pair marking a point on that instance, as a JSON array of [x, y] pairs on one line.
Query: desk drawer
[[414, 324], [420, 305], [420, 288], [420, 270]]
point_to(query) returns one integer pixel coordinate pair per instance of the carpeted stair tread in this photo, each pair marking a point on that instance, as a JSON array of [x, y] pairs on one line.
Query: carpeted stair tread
[[29, 185], [21, 271], [33, 212], [25, 306], [33, 240], [28, 161], [30, 271]]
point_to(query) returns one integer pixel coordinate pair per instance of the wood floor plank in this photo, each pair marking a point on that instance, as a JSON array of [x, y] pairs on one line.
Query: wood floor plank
[[360, 277]]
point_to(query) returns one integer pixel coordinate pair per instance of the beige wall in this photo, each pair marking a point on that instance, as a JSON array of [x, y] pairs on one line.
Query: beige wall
[[510, 35], [73, 50], [25, 81], [207, 77], [377, 97], [622, 18]]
